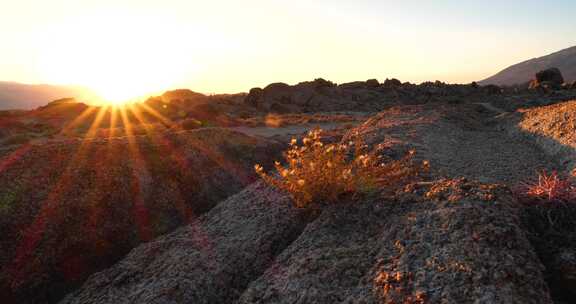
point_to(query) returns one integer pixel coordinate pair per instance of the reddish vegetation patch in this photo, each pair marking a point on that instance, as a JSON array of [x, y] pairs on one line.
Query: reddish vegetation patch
[[548, 188]]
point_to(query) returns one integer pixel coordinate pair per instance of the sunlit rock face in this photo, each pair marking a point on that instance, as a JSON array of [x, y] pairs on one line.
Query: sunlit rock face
[[68, 209], [553, 130], [454, 246], [369, 96], [447, 240]]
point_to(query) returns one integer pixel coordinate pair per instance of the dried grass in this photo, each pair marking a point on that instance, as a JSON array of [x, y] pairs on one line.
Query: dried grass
[[317, 173]]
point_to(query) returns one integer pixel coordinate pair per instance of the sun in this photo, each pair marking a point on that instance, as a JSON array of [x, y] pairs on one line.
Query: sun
[[113, 102], [120, 57]]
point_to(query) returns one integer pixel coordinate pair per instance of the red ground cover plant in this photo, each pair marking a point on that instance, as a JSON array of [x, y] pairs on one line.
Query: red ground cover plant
[[549, 187]]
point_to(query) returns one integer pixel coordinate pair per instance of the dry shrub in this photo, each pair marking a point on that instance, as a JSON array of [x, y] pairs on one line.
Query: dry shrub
[[317, 173], [273, 121]]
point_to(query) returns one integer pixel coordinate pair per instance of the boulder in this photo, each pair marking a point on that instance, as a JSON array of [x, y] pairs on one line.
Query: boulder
[[183, 95], [253, 97], [353, 85], [547, 80], [277, 88], [317, 95], [263, 99], [372, 83], [553, 76], [392, 83], [274, 93], [317, 83]]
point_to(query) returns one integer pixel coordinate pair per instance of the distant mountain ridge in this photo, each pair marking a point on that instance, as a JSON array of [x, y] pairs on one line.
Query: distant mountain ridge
[[15, 95], [520, 73]]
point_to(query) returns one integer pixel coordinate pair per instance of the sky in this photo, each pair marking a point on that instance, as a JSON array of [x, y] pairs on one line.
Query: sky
[[123, 48]]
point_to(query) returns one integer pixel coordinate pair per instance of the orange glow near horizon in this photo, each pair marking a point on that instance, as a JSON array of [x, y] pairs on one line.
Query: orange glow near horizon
[[125, 49], [120, 58]]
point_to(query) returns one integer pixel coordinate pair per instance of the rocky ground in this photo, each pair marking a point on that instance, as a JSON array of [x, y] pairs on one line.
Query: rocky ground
[[552, 128], [470, 140], [460, 237], [461, 246], [75, 199], [69, 209]]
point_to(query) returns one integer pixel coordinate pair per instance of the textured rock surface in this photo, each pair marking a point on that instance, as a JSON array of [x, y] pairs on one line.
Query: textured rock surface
[[552, 128], [553, 227], [454, 242], [459, 140], [370, 95], [452, 247], [210, 261], [449, 241], [70, 209]]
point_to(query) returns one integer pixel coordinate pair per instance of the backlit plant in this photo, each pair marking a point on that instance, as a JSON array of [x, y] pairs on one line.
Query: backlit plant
[[316, 173]]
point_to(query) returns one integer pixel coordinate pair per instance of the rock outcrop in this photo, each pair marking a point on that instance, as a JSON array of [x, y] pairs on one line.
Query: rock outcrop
[[368, 96], [392, 83], [456, 243], [70, 209], [552, 129], [552, 75], [305, 96], [546, 80], [443, 241]]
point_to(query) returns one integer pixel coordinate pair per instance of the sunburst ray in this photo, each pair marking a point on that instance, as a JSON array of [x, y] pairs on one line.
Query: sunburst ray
[[167, 148], [167, 122], [14, 156], [35, 231], [78, 120], [140, 179]]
